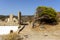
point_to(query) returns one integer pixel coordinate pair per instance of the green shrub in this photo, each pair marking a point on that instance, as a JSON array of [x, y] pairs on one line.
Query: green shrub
[[46, 14]]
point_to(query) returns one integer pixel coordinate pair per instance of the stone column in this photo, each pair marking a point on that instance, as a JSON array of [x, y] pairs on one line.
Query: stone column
[[19, 18], [19, 21]]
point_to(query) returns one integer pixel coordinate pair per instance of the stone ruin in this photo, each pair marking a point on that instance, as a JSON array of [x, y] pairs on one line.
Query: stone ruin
[[11, 21]]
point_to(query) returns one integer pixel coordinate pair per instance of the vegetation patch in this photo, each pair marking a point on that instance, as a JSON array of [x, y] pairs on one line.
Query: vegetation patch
[[46, 15]]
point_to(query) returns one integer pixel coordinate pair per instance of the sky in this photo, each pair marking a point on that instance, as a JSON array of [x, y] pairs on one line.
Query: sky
[[26, 7]]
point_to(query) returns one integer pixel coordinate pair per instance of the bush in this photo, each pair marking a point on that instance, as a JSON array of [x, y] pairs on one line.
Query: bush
[[46, 14]]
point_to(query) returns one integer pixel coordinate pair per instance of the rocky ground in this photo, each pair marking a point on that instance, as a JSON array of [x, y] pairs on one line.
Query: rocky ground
[[47, 32]]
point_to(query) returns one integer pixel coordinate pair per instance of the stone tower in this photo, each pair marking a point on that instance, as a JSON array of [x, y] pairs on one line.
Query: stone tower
[[10, 20], [11, 17], [19, 18]]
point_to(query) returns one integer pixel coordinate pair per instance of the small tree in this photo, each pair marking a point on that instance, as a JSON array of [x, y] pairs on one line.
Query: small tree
[[46, 14]]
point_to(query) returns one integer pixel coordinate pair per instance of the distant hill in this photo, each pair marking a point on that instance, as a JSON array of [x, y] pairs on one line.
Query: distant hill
[[3, 17], [24, 17]]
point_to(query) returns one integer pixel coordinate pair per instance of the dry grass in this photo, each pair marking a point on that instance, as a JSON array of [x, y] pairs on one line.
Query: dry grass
[[12, 36]]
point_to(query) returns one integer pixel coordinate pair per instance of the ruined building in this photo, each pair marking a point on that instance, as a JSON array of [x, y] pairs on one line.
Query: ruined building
[[10, 21]]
